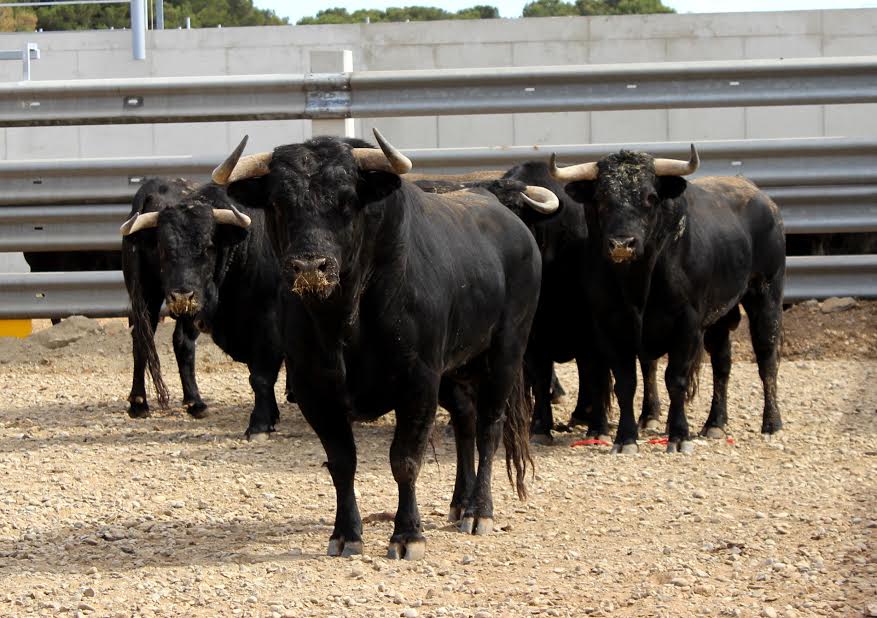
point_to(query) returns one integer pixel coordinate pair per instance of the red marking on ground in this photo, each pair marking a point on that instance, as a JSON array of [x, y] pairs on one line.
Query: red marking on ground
[[658, 441], [731, 441], [590, 442]]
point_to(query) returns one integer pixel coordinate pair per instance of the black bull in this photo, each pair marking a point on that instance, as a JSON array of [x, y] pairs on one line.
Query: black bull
[[674, 260], [398, 299], [562, 328], [216, 275]]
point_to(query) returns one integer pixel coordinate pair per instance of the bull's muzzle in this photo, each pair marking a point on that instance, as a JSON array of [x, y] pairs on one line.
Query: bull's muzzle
[[314, 276], [622, 249], [182, 302]]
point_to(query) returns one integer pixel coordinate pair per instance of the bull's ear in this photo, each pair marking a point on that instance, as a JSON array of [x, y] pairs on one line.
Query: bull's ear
[[375, 186], [671, 187], [252, 192], [582, 191]]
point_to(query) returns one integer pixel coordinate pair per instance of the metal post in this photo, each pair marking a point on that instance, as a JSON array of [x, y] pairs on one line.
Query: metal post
[[138, 29], [159, 14], [340, 61], [31, 52]]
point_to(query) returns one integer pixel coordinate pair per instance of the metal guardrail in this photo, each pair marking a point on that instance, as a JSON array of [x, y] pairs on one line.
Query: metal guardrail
[[102, 294], [450, 91], [59, 205]]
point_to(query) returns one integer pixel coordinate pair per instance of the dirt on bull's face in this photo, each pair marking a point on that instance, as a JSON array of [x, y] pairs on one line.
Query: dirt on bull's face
[[619, 255], [183, 306], [314, 283]]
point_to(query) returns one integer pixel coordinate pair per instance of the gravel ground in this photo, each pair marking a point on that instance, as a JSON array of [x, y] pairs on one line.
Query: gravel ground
[[105, 516]]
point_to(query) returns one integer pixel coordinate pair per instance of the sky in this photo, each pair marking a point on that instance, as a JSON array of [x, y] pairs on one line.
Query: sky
[[296, 9]]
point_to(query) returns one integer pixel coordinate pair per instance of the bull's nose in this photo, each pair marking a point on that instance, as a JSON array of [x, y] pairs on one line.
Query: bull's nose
[[302, 266], [180, 295], [626, 242]]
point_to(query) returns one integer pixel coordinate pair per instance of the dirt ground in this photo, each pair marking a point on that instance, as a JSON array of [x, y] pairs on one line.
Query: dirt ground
[[101, 515]]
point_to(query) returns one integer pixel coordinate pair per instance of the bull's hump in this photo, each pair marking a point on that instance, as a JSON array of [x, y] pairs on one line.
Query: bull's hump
[[736, 186]]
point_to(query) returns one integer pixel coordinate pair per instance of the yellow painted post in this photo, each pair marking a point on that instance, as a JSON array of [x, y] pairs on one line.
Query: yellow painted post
[[15, 328]]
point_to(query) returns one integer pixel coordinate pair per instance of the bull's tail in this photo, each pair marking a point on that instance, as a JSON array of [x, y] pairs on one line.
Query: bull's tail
[[516, 434], [143, 338]]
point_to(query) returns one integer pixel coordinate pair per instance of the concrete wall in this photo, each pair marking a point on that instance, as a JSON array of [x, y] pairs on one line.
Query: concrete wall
[[426, 45]]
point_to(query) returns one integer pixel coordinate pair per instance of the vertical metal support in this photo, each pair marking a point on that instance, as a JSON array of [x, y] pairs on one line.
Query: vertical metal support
[[340, 61], [188, 23], [31, 52], [138, 29], [159, 14]]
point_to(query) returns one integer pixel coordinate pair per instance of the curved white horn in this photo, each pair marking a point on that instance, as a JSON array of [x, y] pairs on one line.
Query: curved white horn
[[540, 199], [677, 167], [232, 216], [221, 174], [582, 171], [388, 159], [139, 222]]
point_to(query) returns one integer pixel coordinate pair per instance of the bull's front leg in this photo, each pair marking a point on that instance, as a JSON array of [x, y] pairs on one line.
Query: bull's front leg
[[185, 335], [415, 415], [681, 366], [326, 410], [540, 372], [624, 369]]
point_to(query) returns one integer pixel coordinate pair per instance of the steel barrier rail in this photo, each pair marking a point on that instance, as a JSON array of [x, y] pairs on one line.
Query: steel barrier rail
[[102, 294], [771, 163], [831, 275], [96, 227], [807, 81]]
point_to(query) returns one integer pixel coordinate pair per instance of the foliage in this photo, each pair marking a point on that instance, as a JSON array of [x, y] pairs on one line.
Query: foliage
[[559, 8], [17, 20], [395, 14], [203, 13]]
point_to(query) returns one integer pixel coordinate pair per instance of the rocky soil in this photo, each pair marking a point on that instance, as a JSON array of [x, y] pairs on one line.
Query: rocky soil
[[101, 515]]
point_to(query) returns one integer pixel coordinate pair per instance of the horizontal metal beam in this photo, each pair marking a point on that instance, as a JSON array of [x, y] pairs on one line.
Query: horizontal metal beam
[[58, 295], [808, 81], [771, 163], [62, 228], [102, 294], [831, 275]]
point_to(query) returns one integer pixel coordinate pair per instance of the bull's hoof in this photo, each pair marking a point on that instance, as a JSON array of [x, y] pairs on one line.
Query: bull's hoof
[[544, 439], [680, 446], [262, 436], [714, 433], [476, 525], [340, 547], [196, 409], [576, 421], [138, 408], [411, 549], [771, 436], [651, 425], [455, 514], [624, 449]]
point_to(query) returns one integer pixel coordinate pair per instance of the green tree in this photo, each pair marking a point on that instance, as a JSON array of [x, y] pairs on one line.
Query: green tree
[[203, 14], [17, 20], [559, 8], [397, 14]]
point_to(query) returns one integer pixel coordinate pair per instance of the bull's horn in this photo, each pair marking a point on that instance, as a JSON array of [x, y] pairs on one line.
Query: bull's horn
[[222, 173], [582, 171], [236, 167], [232, 216], [388, 160], [676, 167], [139, 222], [540, 199]]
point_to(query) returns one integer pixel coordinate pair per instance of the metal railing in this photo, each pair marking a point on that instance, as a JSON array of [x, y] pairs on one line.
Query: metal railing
[[822, 185], [447, 91]]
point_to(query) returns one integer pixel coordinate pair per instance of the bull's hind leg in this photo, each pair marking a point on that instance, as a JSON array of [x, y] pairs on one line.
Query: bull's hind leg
[[263, 375], [682, 365], [459, 401], [414, 419], [185, 335], [138, 406], [595, 384], [650, 417], [540, 372], [763, 305], [717, 341]]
